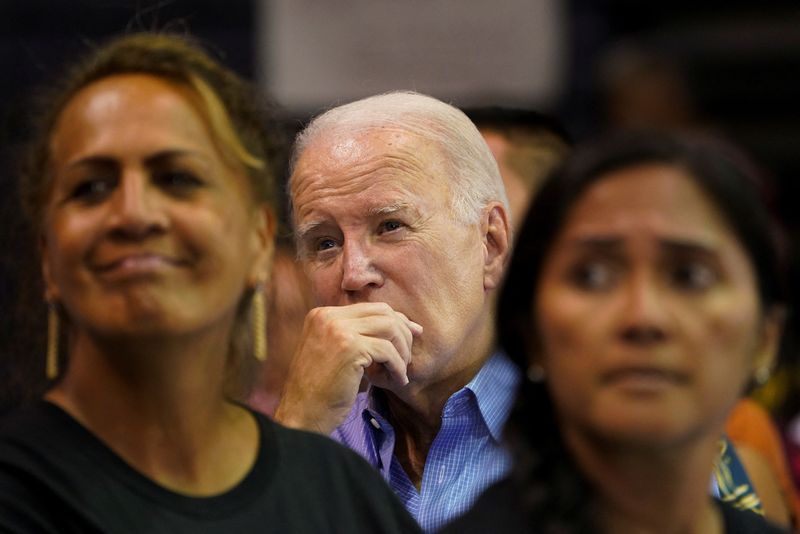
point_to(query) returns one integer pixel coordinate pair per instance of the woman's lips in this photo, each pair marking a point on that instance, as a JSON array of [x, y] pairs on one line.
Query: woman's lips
[[135, 265], [644, 378]]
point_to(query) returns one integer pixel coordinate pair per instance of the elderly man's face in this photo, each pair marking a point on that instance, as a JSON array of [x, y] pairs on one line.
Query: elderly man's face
[[374, 224]]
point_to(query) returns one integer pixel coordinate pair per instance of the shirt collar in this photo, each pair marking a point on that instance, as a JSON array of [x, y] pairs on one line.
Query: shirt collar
[[494, 388]]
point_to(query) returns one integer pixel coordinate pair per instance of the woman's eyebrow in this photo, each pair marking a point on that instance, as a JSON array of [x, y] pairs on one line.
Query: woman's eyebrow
[[159, 158], [599, 243], [165, 156], [687, 247], [675, 245], [92, 161]]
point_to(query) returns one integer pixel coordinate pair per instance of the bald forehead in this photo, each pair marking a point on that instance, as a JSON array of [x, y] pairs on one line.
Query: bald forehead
[[351, 147], [368, 150]]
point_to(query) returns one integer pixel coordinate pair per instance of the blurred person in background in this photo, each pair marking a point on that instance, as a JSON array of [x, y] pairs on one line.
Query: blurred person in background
[[642, 87], [527, 146], [760, 446], [643, 296], [289, 297]]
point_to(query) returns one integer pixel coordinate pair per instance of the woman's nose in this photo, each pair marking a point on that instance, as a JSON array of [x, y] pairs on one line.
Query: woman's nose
[[644, 311], [137, 206]]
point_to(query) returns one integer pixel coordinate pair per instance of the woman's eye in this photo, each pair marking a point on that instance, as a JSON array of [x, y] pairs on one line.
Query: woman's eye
[[179, 181], [92, 190], [389, 226], [693, 276], [592, 276]]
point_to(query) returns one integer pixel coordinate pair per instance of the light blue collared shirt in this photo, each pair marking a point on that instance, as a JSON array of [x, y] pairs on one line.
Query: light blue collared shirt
[[466, 456]]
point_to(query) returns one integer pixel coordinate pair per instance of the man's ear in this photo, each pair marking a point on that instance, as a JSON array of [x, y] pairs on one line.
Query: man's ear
[[768, 344], [496, 243], [263, 244]]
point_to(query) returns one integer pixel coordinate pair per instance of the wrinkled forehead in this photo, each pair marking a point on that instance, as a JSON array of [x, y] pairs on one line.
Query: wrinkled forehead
[[341, 153], [351, 148]]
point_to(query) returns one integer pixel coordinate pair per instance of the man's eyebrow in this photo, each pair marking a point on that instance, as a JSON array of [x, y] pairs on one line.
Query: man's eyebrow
[[390, 209], [306, 228]]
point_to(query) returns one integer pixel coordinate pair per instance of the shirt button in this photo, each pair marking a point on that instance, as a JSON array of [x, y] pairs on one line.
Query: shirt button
[[374, 422]]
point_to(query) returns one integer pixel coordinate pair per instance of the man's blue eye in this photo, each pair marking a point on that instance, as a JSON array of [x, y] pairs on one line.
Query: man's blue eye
[[390, 226], [325, 244]]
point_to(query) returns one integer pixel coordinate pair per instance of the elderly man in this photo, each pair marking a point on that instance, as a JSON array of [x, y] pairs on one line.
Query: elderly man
[[402, 227]]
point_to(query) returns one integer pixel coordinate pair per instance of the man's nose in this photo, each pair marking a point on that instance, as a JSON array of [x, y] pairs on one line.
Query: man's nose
[[359, 269], [137, 208], [645, 313]]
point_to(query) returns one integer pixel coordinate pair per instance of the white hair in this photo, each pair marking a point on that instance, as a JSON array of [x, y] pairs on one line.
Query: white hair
[[474, 176]]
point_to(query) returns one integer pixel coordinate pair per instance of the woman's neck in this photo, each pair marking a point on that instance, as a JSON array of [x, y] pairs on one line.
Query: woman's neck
[[160, 405], [647, 490]]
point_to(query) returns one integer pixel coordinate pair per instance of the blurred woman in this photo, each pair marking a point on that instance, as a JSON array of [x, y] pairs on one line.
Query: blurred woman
[[289, 295], [643, 296], [758, 442], [150, 191]]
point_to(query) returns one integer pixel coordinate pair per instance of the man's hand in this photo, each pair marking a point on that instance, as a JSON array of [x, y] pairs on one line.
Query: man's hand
[[339, 344]]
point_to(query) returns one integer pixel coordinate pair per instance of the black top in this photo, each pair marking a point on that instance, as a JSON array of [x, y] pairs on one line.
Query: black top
[[500, 511], [55, 476]]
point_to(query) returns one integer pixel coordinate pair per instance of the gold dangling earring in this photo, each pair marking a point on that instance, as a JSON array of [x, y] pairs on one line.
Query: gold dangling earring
[[51, 364], [259, 319]]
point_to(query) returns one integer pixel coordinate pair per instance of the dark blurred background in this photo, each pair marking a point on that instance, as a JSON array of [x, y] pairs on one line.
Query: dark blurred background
[[726, 67]]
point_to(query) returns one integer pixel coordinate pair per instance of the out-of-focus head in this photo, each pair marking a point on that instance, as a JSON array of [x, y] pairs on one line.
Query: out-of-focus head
[[289, 298], [643, 87], [646, 283], [289, 301], [396, 198], [150, 187], [527, 146]]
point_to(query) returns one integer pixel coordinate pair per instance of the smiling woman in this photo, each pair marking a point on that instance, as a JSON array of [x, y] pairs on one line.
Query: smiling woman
[[140, 239], [643, 296], [219, 121], [150, 190]]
